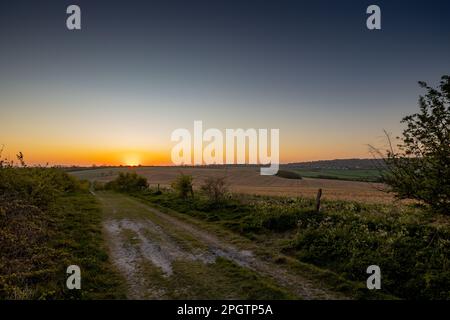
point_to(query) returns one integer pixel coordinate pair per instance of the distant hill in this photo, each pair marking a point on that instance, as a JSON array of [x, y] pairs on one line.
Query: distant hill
[[341, 164]]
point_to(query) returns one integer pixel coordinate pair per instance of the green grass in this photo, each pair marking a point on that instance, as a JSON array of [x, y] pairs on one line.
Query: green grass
[[367, 175], [77, 221], [222, 279], [71, 234]]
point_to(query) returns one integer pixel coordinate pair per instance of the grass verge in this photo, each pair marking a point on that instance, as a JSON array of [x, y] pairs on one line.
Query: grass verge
[[49, 221]]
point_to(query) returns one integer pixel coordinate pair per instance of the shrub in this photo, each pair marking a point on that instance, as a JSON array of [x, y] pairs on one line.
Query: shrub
[[128, 182], [288, 174], [279, 221], [215, 188], [183, 186], [97, 185], [35, 186], [413, 255]]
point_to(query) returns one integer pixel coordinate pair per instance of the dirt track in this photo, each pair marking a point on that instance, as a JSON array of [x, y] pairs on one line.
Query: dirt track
[[142, 238]]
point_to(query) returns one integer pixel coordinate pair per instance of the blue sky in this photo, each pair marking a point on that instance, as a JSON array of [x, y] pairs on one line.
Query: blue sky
[[140, 69]]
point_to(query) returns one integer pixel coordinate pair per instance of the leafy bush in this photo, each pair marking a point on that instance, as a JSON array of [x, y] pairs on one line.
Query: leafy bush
[[183, 186], [413, 256], [128, 182], [36, 186], [279, 221]]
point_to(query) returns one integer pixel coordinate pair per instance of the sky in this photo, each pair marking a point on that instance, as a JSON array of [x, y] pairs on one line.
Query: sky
[[114, 91]]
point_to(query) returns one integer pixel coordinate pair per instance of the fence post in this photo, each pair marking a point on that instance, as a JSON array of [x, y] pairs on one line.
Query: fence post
[[319, 195]]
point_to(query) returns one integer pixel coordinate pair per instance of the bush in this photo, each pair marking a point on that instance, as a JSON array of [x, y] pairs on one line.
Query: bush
[[288, 174], [98, 186], [183, 186], [128, 182], [279, 221], [35, 186], [215, 188], [413, 255]]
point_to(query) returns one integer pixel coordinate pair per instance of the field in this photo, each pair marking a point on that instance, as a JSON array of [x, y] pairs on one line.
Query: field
[[247, 180], [365, 175]]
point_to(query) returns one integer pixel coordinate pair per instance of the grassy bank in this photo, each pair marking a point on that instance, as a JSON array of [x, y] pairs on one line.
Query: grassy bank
[[411, 245], [48, 221]]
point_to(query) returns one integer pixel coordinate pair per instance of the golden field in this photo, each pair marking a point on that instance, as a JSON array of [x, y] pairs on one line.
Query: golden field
[[248, 180]]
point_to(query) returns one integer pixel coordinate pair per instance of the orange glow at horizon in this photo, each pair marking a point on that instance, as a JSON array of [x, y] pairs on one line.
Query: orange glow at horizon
[[123, 138], [132, 159], [88, 156]]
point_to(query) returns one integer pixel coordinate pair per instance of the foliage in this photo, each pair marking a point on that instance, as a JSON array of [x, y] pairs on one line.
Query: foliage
[[128, 182], [352, 174], [35, 186], [183, 186], [215, 188], [48, 221], [413, 255], [98, 186], [288, 174], [420, 169]]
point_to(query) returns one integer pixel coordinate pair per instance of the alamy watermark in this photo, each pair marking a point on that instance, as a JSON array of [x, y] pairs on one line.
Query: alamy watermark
[[237, 146], [373, 22], [74, 278], [374, 280], [73, 22]]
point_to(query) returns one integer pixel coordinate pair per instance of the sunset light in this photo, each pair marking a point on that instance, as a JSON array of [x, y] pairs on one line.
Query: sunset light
[[132, 160]]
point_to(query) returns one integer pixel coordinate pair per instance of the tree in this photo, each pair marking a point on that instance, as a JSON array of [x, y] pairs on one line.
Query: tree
[[420, 168]]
